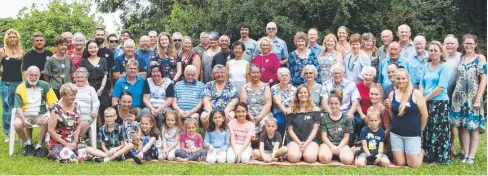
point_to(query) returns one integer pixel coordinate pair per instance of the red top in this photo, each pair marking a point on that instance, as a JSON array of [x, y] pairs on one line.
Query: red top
[[269, 65], [365, 101]]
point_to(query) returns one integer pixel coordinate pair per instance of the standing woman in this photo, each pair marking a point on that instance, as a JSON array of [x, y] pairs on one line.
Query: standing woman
[[189, 57], [283, 94], [238, 68], [208, 57], [166, 57], [409, 117], [436, 140], [309, 72], [467, 101], [79, 43], [328, 57], [356, 60], [343, 46], [59, 66], [268, 62], [300, 58], [11, 61], [369, 48], [303, 124]]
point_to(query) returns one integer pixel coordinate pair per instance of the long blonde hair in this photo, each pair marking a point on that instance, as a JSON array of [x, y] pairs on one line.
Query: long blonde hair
[[309, 106], [6, 45], [327, 37], [171, 52], [406, 92]]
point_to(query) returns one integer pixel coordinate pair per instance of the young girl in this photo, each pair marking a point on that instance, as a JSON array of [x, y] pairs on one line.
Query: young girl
[[149, 134], [375, 93], [191, 143], [335, 129], [216, 138], [241, 132], [170, 133], [131, 126], [372, 140]]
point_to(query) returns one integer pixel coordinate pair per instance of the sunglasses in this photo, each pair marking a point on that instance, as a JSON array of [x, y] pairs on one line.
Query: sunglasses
[[114, 41], [177, 40]]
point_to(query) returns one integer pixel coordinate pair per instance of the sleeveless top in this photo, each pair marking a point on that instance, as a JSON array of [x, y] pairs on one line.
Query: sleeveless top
[[12, 71], [237, 72], [409, 123], [255, 99]]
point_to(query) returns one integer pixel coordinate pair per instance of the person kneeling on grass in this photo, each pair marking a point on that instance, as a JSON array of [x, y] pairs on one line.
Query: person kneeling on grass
[[149, 133], [191, 143], [217, 138], [270, 142], [372, 138]]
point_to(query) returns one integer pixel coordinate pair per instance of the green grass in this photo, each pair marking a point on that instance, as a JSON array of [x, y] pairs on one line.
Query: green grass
[[18, 164]]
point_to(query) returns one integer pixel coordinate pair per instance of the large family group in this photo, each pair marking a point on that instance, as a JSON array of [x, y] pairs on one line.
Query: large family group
[[345, 100]]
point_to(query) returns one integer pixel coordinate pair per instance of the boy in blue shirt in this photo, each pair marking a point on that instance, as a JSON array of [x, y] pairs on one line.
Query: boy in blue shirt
[[372, 138]]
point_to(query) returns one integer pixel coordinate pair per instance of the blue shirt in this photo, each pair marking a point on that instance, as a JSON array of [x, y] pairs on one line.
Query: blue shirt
[[438, 78], [408, 51], [145, 55], [118, 51], [317, 49], [218, 139], [279, 48], [418, 65], [372, 138], [251, 47], [188, 95], [349, 92], [135, 89], [120, 63], [383, 74]]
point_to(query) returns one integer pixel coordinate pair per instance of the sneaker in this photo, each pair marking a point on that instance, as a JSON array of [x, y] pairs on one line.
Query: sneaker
[[98, 159], [137, 160], [464, 160], [29, 150], [470, 161], [39, 152], [6, 138]]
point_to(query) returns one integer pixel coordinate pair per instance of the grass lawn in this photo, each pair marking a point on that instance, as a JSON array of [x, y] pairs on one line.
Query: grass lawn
[[18, 164]]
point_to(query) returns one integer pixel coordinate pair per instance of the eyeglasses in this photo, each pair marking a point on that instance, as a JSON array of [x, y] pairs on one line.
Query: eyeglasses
[[177, 40], [114, 41]]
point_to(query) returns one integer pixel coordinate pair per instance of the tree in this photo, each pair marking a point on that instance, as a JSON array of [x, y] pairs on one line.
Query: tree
[[5, 24]]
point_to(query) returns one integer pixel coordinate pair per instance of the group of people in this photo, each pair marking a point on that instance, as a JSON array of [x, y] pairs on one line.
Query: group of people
[[344, 100]]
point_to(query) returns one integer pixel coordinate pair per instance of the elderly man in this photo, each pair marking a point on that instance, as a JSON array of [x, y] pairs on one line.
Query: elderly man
[[145, 51], [408, 48], [178, 41], [313, 36], [225, 54], [188, 95], [124, 36], [204, 44], [418, 61], [394, 56], [30, 102], [249, 43], [132, 83], [122, 61], [386, 38], [279, 46], [153, 39]]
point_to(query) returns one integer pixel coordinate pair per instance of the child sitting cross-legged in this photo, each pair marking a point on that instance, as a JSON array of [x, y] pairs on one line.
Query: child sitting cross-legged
[[191, 143], [372, 138], [147, 149], [270, 142], [217, 138]]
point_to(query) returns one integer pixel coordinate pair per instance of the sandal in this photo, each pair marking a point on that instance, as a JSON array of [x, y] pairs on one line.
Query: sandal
[[470, 161]]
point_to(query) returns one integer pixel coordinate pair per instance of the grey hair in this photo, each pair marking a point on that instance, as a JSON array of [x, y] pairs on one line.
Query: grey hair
[[133, 62], [368, 69], [254, 66], [203, 34], [283, 70], [190, 68], [337, 66], [79, 35], [309, 67], [213, 35], [129, 42], [152, 32], [144, 37], [33, 68], [218, 67], [83, 71]]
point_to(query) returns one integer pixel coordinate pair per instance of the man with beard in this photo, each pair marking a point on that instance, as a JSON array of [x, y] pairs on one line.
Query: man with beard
[[177, 40], [30, 102], [153, 38], [249, 43], [38, 55], [102, 50], [145, 51], [225, 54]]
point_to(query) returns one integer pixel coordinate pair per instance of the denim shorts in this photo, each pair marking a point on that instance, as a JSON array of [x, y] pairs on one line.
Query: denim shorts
[[411, 145]]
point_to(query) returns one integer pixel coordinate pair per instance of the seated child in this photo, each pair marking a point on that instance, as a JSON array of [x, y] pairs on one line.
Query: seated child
[[149, 133], [170, 134], [217, 138], [131, 126], [270, 142], [191, 143], [372, 139]]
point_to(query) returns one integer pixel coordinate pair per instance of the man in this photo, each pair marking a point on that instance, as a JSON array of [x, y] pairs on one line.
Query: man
[[38, 55], [408, 48], [313, 36], [30, 102], [386, 38], [249, 43], [153, 38], [102, 50], [145, 51], [453, 60], [122, 60], [279, 47], [204, 44], [188, 95], [224, 55], [132, 83], [418, 61], [177, 41], [71, 46], [124, 36], [394, 51], [113, 41], [391, 72]]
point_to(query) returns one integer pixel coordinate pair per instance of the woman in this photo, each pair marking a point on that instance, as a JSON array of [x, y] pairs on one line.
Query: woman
[[158, 94], [300, 58], [369, 48], [189, 57], [97, 74], [343, 46], [283, 94], [257, 96], [267, 61], [123, 107], [437, 135], [79, 43], [220, 94], [11, 61], [309, 72], [238, 68], [87, 99], [467, 101], [356, 60], [328, 57], [409, 117], [166, 57], [208, 57], [64, 125], [303, 124], [59, 66], [360, 119]]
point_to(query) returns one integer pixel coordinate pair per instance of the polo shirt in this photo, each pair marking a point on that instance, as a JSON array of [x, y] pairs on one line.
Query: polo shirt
[[382, 53], [408, 51], [200, 49], [251, 45], [135, 89], [418, 65], [188, 96], [120, 63], [145, 55], [33, 100], [221, 58]]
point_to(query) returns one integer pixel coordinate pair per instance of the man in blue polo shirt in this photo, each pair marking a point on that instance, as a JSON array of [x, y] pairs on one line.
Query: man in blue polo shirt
[[394, 51], [189, 94], [132, 83], [313, 36], [145, 51]]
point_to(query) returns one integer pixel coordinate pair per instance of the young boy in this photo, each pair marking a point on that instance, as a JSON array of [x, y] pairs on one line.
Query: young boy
[[269, 143], [372, 138]]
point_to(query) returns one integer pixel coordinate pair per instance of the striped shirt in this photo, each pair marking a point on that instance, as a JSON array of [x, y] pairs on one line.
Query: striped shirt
[[188, 96]]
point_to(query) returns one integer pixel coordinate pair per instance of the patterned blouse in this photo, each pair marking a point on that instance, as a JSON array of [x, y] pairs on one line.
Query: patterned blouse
[[325, 63], [296, 64], [66, 123], [285, 96], [168, 65], [220, 99]]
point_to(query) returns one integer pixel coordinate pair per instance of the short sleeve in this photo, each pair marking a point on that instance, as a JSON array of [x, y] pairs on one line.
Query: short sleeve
[[278, 137], [252, 130], [317, 117], [364, 132], [122, 134], [170, 91], [117, 89], [381, 133], [443, 80], [100, 134], [145, 89], [18, 101], [324, 93], [348, 125], [104, 66], [323, 122], [289, 119], [48, 66], [208, 90], [117, 63], [262, 137], [285, 50], [481, 68], [354, 92], [275, 91]]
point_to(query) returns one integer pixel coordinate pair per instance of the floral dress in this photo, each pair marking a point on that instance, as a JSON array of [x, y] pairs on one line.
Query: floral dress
[[255, 102], [461, 112], [65, 128], [296, 64], [220, 100], [168, 65], [325, 63]]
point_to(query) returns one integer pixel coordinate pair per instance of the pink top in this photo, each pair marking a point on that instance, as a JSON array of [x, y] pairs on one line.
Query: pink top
[[76, 59], [191, 142], [241, 130], [269, 65]]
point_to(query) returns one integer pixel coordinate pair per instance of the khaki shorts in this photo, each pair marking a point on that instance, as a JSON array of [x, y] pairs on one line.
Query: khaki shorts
[[30, 120]]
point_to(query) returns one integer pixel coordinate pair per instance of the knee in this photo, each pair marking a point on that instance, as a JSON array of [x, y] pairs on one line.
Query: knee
[[325, 158], [221, 159], [84, 124], [310, 157], [347, 160], [294, 157], [245, 159], [211, 159], [256, 153], [18, 125], [231, 158], [385, 162]]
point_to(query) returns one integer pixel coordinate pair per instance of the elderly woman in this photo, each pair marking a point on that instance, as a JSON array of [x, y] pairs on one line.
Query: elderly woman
[[238, 68], [360, 119], [268, 62], [328, 57], [257, 96], [158, 94], [309, 72], [356, 60], [189, 57], [300, 58], [87, 99], [208, 57], [59, 66], [122, 61], [64, 125], [282, 94], [342, 45], [189, 94], [220, 94], [79, 43], [166, 57]]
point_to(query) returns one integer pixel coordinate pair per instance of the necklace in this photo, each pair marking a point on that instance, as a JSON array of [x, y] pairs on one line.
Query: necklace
[[349, 62], [262, 63]]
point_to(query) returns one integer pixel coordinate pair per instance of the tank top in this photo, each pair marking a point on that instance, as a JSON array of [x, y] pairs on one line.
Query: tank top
[[409, 123], [12, 69]]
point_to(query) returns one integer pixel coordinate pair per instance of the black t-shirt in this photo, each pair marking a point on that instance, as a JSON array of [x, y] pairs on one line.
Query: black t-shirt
[[38, 59], [108, 55], [221, 58], [269, 143]]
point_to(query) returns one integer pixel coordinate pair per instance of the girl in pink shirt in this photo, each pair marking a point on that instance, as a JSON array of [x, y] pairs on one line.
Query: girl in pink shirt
[[241, 133], [191, 143]]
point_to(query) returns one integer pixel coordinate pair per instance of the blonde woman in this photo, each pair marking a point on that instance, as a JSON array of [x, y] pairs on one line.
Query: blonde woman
[[166, 58], [267, 61], [328, 57]]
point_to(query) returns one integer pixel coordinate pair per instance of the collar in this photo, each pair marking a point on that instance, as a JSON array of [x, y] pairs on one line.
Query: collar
[[138, 78], [27, 85], [193, 83], [316, 46], [426, 54], [116, 127]]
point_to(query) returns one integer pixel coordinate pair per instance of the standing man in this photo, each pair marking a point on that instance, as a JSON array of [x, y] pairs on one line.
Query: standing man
[[204, 44], [102, 50], [453, 60], [249, 43], [224, 55], [313, 36], [145, 51], [394, 56], [38, 55], [279, 46], [124, 36], [418, 61], [408, 48], [177, 40], [386, 38], [113, 41], [153, 38]]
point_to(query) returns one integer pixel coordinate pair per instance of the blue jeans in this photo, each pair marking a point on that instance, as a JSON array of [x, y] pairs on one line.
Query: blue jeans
[[7, 91]]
